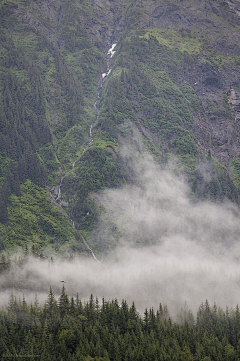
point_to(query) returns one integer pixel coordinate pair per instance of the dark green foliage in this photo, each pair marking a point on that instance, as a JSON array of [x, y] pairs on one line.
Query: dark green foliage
[[192, 97], [235, 166], [29, 167], [212, 181], [112, 331], [11, 185], [6, 11], [23, 126], [71, 100], [95, 170], [184, 144], [23, 111]]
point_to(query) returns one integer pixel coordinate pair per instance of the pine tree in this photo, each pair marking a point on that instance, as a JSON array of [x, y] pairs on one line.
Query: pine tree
[[2, 346], [33, 252], [91, 310], [72, 308], [26, 252], [63, 303], [51, 308]]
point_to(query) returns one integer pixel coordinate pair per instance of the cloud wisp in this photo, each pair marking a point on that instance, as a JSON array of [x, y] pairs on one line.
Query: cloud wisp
[[169, 249]]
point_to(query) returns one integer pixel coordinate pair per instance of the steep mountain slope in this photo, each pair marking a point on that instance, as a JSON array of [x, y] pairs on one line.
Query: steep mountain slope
[[175, 77], [45, 115]]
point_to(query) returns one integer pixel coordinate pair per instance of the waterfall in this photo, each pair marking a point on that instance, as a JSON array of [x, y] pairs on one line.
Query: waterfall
[[109, 55]]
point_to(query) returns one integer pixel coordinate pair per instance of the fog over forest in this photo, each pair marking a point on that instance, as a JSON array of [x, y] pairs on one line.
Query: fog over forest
[[171, 249]]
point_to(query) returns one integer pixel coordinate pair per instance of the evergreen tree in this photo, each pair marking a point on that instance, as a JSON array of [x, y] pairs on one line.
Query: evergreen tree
[[63, 303]]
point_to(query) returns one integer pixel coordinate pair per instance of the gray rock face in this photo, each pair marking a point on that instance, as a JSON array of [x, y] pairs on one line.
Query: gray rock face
[[234, 101]]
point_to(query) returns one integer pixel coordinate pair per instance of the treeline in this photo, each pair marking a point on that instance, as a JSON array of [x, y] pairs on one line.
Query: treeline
[[7, 261], [69, 329]]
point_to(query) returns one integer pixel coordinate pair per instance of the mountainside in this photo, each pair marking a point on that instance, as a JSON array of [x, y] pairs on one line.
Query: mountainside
[[81, 78]]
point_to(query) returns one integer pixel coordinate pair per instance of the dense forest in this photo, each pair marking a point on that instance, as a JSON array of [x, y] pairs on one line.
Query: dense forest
[[69, 329]]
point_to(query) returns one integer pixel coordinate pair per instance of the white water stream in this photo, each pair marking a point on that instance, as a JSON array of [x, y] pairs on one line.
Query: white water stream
[[110, 54], [58, 197], [111, 51]]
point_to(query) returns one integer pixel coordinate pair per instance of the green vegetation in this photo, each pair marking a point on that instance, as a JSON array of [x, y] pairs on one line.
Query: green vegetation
[[71, 145], [51, 60], [184, 40], [45, 116], [184, 144], [194, 101], [235, 167], [211, 180], [145, 93], [210, 106], [33, 219], [95, 170], [68, 329], [226, 107]]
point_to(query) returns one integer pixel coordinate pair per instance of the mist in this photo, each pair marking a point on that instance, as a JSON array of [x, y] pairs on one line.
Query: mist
[[168, 247]]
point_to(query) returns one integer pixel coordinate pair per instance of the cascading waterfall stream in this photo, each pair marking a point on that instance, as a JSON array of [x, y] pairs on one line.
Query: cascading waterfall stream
[[110, 52], [58, 197], [109, 55]]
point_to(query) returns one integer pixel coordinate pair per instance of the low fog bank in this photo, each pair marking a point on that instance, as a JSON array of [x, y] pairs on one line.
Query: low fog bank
[[171, 273], [169, 248]]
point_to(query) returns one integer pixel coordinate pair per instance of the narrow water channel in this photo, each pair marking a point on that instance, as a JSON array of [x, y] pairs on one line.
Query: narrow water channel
[[109, 55]]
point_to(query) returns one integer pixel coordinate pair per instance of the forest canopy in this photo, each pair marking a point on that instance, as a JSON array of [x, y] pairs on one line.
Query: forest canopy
[[66, 328]]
